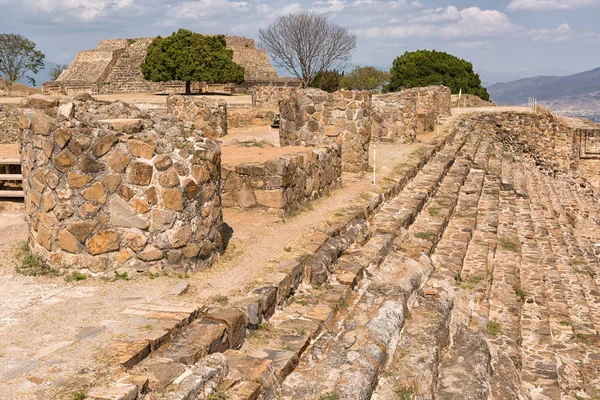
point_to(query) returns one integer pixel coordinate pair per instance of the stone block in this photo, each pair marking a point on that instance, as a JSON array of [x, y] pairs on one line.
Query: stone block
[[235, 320], [104, 242]]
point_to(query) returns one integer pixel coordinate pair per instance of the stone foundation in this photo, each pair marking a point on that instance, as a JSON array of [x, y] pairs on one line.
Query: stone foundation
[[283, 185], [400, 116], [107, 186], [207, 115], [312, 117]]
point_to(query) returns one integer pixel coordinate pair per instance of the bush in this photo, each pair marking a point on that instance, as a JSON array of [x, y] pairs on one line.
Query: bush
[[365, 78], [328, 81], [425, 68]]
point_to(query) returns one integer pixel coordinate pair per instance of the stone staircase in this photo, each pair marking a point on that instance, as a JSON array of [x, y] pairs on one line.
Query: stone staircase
[[469, 279], [126, 75]]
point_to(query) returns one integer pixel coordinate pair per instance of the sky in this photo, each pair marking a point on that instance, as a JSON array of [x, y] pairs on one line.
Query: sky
[[500, 37]]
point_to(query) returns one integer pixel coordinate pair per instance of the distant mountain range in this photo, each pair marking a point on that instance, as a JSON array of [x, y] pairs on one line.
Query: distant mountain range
[[575, 95]]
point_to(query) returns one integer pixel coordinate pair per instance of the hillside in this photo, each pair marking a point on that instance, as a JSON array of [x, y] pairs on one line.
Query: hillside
[[18, 89], [575, 95]]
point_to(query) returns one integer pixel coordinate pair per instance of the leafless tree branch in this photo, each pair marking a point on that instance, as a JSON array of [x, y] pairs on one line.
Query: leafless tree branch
[[306, 43]]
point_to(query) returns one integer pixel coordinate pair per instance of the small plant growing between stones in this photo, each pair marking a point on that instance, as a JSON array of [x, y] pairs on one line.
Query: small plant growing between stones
[[152, 275], [585, 339], [31, 264], [221, 299], [433, 211], [123, 276], [79, 395], [330, 396], [508, 245], [471, 282], [493, 328], [218, 394], [520, 293], [565, 323], [287, 249], [425, 235], [76, 276], [404, 393]]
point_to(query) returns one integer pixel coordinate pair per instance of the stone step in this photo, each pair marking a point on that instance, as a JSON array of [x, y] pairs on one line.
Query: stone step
[[413, 370]]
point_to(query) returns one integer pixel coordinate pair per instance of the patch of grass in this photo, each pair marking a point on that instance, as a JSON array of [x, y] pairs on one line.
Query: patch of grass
[[76, 276], [585, 339], [508, 245], [431, 314], [520, 293], [152, 275], [124, 276], [365, 196], [565, 323], [425, 235], [218, 394], [339, 214], [79, 395], [330, 396], [287, 249], [404, 393], [297, 212], [31, 264], [433, 211], [493, 328], [220, 299], [288, 348], [302, 302], [230, 253], [492, 155], [250, 143], [470, 283]]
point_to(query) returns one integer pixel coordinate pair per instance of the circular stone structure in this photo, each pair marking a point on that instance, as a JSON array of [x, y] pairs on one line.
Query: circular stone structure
[[108, 186]]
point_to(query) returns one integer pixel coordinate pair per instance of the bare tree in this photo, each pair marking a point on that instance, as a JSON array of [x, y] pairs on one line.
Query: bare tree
[[306, 43], [18, 56], [57, 70]]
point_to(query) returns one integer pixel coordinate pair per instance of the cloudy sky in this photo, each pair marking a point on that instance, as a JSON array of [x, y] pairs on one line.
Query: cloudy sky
[[542, 36]]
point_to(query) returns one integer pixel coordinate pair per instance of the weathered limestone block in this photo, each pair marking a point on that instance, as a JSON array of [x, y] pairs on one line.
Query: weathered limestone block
[[109, 194], [207, 115], [312, 117], [270, 96]]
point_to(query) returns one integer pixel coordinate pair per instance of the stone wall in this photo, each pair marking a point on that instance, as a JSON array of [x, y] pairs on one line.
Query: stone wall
[[107, 186], [207, 115], [115, 67], [283, 185], [400, 116], [270, 96], [470, 100], [9, 124], [244, 117], [542, 135], [312, 117]]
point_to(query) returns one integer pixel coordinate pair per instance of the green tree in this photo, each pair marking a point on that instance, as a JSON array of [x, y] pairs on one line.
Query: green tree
[[365, 78], [328, 81], [18, 56], [425, 67], [188, 56]]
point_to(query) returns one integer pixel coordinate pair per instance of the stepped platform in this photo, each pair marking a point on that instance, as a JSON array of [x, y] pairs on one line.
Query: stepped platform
[[470, 272]]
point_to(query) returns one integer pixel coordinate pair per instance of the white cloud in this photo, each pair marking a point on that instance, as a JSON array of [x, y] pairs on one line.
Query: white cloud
[[551, 4], [445, 23], [559, 34], [206, 8], [470, 45], [86, 10]]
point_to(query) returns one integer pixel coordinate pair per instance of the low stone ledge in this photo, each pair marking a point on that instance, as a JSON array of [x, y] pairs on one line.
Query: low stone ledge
[[207, 115], [282, 185]]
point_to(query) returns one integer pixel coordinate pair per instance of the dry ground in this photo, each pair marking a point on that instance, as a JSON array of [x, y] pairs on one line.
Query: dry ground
[[53, 331]]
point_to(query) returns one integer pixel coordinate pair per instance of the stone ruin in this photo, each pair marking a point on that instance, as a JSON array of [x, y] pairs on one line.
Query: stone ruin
[[115, 67], [105, 183], [470, 100], [312, 117], [208, 115]]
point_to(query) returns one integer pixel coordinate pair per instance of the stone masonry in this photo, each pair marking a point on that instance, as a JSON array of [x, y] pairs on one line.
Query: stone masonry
[[107, 185], [312, 117], [207, 115], [270, 96], [283, 185], [399, 116], [470, 100], [9, 124], [115, 67]]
